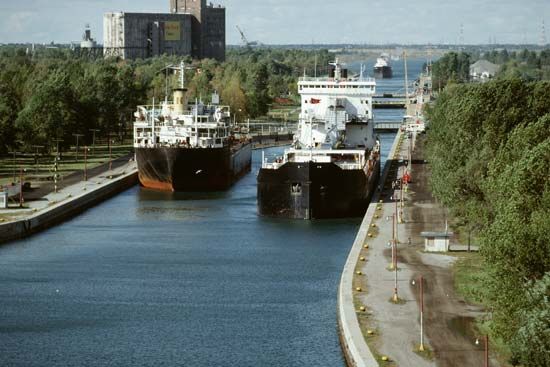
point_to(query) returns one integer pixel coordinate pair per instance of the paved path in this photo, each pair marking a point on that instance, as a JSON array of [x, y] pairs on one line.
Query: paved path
[[396, 325]]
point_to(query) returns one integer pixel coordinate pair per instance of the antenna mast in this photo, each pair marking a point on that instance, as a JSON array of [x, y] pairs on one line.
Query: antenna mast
[[543, 34]]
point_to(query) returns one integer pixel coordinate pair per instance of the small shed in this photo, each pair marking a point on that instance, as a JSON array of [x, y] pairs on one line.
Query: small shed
[[436, 241]]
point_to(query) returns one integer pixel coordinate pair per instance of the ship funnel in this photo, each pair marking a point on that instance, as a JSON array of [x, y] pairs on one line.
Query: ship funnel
[[180, 101]]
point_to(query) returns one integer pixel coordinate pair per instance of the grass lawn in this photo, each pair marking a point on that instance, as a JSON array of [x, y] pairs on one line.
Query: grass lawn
[[40, 167]]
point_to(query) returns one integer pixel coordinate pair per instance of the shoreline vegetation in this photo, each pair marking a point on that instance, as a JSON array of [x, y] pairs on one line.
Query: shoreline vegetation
[[489, 149], [47, 97]]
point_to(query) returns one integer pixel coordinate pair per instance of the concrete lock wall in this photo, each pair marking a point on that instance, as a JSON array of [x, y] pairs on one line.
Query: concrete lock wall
[[65, 210], [352, 340]]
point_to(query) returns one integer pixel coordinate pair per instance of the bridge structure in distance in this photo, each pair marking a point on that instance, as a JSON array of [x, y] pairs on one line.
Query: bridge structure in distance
[[389, 100]]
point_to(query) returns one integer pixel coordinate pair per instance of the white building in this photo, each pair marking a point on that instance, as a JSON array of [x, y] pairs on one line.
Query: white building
[[436, 241], [483, 70]]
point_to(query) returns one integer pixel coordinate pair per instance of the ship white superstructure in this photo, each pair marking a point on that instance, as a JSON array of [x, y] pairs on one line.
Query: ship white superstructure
[[336, 117]]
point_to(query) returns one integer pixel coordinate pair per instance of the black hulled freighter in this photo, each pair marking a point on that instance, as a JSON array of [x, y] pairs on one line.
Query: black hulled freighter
[[182, 147], [333, 166], [382, 69]]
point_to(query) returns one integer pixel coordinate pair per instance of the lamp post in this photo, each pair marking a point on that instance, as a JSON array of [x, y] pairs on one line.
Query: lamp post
[[396, 213], [85, 163], [401, 198], [393, 256], [486, 356], [14, 164], [57, 159], [77, 136], [37, 147], [395, 296], [21, 200], [110, 152], [486, 350], [421, 281], [93, 139]]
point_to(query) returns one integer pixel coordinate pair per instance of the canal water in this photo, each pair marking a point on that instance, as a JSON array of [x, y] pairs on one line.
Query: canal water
[[155, 279]]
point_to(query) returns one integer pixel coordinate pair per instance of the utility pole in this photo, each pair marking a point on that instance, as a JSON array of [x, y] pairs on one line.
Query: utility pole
[[77, 136], [93, 139]]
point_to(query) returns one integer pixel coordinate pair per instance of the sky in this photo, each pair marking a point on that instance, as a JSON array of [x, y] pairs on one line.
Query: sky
[[301, 21]]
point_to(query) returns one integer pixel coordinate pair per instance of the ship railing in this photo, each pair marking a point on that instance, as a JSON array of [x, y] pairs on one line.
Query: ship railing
[[326, 79], [272, 165], [349, 166], [160, 108]]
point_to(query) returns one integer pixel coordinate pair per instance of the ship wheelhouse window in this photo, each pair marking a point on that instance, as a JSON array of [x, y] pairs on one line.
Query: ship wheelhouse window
[[296, 188]]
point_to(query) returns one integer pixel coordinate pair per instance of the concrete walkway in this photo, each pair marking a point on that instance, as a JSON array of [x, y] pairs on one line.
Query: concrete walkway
[[449, 335], [32, 207], [395, 325]]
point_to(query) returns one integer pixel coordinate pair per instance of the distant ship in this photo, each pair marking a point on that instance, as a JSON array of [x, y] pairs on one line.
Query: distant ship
[[382, 68], [189, 148], [333, 166]]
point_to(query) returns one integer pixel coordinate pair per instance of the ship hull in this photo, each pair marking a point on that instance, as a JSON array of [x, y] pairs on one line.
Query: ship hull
[[315, 191], [194, 170], [384, 72]]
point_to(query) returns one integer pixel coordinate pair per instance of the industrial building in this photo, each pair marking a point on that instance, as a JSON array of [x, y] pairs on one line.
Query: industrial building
[[87, 40], [192, 27], [208, 27]]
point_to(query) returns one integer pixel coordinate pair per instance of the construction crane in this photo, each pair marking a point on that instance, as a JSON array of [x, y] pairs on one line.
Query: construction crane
[[246, 43]]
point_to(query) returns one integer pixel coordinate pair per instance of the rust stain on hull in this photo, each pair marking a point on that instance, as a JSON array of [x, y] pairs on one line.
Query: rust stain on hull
[[155, 185]]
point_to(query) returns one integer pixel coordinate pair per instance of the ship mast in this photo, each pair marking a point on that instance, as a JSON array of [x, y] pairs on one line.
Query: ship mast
[[182, 75]]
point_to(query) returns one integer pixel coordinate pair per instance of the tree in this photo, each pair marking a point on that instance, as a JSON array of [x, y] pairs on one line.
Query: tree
[[235, 97], [489, 148], [50, 113]]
